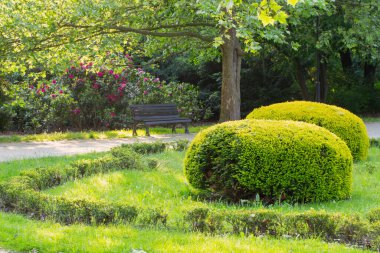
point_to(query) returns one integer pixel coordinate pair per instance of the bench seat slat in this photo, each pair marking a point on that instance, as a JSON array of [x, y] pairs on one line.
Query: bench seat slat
[[167, 121], [153, 105], [156, 114], [152, 118]]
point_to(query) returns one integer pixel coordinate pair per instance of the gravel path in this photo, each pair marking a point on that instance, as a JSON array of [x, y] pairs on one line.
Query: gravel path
[[23, 150], [373, 129]]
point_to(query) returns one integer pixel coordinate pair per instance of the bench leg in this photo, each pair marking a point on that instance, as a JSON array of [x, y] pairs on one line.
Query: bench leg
[[134, 130], [147, 130], [187, 128], [173, 129]]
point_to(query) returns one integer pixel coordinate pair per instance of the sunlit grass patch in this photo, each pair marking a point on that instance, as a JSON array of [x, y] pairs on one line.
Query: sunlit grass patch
[[19, 233], [86, 135], [165, 188], [371, 119], [13, 168], [168, 189]]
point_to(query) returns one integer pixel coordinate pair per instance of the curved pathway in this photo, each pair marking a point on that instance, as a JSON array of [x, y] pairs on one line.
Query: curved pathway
[[373, 129], [23, 150]]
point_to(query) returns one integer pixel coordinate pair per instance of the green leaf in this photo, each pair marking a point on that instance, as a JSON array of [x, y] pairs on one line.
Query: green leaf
[[274, 6], [218, 41], [229, 4], [293, 2], [265, 18], [281, 17]]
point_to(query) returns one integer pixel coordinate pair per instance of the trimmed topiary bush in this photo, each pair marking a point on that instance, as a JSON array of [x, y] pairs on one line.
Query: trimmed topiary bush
[[273, 160], [339, 121]]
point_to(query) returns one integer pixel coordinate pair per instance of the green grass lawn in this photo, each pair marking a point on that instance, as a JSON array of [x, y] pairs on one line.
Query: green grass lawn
[[165, 188], [112, 134], [19, 233], [371, 119]]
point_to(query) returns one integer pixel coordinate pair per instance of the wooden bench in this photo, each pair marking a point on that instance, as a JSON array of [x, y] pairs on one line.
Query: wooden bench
[[157, 114]]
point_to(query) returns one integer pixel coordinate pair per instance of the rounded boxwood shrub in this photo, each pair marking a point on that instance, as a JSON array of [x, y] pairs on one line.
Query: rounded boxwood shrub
[[341, 122], [275, 160]]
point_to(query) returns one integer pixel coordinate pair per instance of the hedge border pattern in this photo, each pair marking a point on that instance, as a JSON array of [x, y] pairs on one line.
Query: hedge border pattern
[[22, 195]]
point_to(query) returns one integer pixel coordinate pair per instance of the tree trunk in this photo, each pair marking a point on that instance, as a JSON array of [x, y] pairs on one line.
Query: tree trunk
[[346, 60], [301, 79], [369, 74], [323, 81], [231, 66]]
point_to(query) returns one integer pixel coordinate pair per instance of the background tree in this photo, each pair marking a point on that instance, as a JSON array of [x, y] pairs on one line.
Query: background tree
[[52, 32]]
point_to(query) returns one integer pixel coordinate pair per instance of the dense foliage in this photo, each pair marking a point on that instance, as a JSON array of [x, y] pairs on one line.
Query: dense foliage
[[348, 68], [164, 27], [87, 97], [272, 160], [286, 67], [339, 121]]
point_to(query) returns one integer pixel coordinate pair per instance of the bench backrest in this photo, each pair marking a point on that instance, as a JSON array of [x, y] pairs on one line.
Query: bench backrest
[[154, 110]]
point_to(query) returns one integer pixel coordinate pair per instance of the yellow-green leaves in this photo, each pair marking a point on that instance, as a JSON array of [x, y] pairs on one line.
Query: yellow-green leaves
[[218, 41], [293, 2], [300, 161], [281, 17], [274, 6], [339, 121], [270, 12], [265, 17]]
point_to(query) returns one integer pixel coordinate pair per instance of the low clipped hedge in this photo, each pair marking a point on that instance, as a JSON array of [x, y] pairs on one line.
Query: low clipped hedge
[[330, 227], [22, 194], [374, 215], [157, 147], [272, 160], [339, 121], [375, 142]]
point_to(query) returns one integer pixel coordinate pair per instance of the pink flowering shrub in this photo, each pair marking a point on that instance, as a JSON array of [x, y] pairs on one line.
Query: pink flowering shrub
[[91, 97], [42, 106], [104, 95]]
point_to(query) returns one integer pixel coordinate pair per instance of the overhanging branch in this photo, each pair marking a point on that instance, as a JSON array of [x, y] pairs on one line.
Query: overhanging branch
[[153, 31]]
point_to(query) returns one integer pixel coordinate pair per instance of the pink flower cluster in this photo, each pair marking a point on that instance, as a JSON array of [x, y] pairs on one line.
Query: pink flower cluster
[[111, 98], [122, 87], [43, 89], [140, 71], [84, 66], [128, 57], [76, 111], [111, 86], [96, 86]]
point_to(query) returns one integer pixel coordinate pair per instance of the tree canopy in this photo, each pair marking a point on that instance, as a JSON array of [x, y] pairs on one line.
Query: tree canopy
[[55, 32]]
